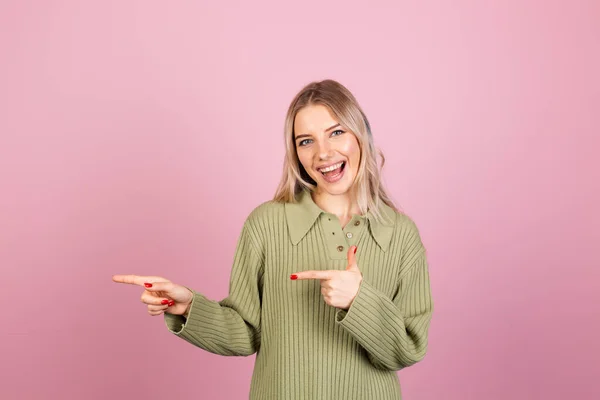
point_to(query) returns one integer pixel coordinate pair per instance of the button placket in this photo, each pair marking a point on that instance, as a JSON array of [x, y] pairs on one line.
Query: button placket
[[349, 230], [335, 240], [338, 239]]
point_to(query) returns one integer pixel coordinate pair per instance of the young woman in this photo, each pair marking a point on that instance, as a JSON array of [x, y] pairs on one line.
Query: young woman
[[330, 282]]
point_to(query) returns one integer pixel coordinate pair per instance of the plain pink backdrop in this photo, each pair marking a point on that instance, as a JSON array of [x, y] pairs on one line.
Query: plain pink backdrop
[[136, 136]]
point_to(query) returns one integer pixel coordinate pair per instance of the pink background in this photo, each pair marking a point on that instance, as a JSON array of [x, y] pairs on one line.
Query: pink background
[[136, 136]]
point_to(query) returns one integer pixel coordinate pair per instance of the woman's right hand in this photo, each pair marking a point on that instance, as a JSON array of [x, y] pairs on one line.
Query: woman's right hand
[[160, 294]]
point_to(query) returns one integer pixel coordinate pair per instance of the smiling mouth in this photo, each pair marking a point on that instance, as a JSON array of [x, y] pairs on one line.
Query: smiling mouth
[[334, 175], [333, 169]]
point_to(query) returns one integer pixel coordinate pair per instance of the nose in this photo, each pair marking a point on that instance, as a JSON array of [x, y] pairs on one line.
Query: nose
[[325, 151]]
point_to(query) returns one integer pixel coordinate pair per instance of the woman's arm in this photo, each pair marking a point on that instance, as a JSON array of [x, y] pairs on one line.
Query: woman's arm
[[230, 327], [394, 330]]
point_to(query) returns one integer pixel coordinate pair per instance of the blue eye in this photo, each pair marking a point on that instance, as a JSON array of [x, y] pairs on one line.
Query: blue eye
[[306, 141]]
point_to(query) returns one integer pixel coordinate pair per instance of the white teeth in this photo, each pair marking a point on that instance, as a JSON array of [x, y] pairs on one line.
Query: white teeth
[[336, 166]]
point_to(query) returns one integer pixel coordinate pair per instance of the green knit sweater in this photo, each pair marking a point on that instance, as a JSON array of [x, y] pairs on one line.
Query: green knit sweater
[[306, 349]]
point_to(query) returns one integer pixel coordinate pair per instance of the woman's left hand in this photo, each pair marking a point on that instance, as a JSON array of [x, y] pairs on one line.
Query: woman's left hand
[[339, 288]]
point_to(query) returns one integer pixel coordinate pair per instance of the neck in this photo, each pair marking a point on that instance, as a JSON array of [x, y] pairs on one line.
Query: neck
[[343, 205]]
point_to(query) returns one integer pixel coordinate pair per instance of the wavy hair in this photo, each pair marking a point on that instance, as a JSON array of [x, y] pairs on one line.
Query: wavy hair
[[368, 189]]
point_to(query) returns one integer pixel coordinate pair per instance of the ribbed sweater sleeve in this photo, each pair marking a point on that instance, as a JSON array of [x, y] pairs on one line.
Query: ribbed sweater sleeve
[[230, 327], [394, 330]]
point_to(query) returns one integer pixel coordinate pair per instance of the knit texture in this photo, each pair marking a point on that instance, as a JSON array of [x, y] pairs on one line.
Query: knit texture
[[306, 349]]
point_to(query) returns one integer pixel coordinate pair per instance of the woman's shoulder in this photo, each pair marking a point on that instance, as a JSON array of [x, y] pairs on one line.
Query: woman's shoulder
[[408, 235], [267, 211], [406, 223], [401, 221]]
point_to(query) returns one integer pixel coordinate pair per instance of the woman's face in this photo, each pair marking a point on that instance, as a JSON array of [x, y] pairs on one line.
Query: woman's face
[[321, 142]]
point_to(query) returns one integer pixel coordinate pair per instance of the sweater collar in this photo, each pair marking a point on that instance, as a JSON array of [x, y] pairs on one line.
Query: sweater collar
[[302, 215]]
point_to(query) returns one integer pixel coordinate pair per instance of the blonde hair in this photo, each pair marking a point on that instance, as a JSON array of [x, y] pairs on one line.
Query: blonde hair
[[368, 189]]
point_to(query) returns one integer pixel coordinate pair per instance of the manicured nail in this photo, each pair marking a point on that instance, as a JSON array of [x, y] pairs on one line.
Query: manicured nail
[[164, 302], [355, 248], [148, 284], [293, 277], [171, 303]]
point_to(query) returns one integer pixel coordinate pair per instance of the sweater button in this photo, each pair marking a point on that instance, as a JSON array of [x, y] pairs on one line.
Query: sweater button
[[349, 235], [340, 248], [357, 223]]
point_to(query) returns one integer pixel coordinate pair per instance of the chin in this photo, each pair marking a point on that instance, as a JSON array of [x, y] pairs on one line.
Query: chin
[[334, 189], [337, 191]]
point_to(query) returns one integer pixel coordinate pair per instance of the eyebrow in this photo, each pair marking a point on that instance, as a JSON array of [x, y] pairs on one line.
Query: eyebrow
[[328, 129]]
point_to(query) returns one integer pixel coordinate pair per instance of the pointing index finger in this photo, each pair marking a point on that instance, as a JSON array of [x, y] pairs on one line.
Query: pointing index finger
[[132, 279], [314, 275]]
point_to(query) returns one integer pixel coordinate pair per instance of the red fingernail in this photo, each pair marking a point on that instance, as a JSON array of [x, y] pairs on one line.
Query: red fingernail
[[355, 248], [148, 284], [293, 277], [171, 303], [164, 302]]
